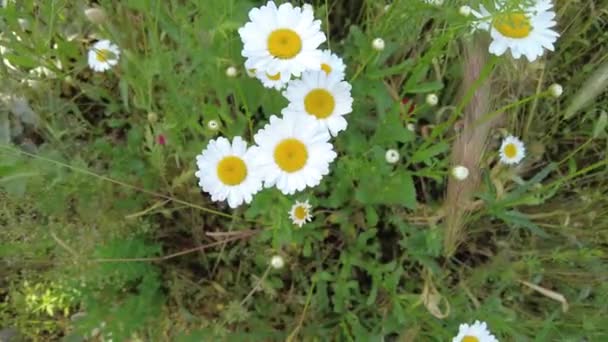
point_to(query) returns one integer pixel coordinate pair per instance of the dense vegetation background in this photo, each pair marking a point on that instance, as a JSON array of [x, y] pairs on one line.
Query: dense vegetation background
[[104, 231]]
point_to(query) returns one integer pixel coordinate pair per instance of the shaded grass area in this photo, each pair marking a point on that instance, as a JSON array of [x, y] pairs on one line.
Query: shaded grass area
[[372, 262]]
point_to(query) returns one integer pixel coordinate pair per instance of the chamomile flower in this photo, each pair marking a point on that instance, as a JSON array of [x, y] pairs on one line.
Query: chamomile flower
[[324, 97], [512, 150], [300, 213], [103, 55], [332, 64], [293, 153], [226, 171], [476, 332], [277, 81], [282, 39], [526, 31]]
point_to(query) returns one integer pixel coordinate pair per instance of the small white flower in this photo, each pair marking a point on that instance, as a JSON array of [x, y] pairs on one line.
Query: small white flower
[[460, 172], [434, 2], [277, 262], [213, 125], [277, 81], [465, 10], [231, 71], [226, 171], [432, 99], [283, 39], [411, 127], [378, 44], [392, 156], [95, 15], [300, 213], [476, 332], [103, 55], [326, 98], [293, 153], [332, 64], [512, 150], [556, 90]]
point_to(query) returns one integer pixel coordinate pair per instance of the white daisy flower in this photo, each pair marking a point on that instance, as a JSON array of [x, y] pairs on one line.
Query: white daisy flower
[[226, 171], [277, 81], [476, 332], [326, 98], [512, 150], [283, 39], [293, 153], [103, 55], [525, 31], [332, 64], [391, 156], [300, 213]]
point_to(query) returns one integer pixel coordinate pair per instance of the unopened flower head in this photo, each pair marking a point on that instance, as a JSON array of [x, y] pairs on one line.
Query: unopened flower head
[[556, 90], [213, 125], [512, 150], [476, 332], [465, 10], [378, 44], [283, 39], [300, 213], [432, 99], [103, 55], [460, 172], [277, 262], [152, 117], [525, 31], [231, 71], [411, 127], [391, 156]]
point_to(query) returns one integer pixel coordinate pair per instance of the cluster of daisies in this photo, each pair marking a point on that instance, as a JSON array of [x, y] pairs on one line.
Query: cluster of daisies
[[293, 151], [526, 28]]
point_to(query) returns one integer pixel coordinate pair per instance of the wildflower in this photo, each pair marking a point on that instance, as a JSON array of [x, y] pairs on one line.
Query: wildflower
[[332, 64], [95, 15], [103, 56], [512, 150], [282, 40], [477, 332], [161, 140], [432, 99], [411, 127], [225, 170], [152, 117], [300, 213], [325, 98], [464, 10], [277, 81], [231, 71], [378, 44], [460, 172], [293, 153], [525, 31], [213, 125], [392, 156], [277, 262], [556, 90]]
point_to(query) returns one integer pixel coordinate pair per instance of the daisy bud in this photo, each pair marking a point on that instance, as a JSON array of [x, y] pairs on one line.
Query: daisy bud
[[556, 90], [387, 7], [378, 44], [460, 172], [465, 10], [95, 15], [23, 23], [432, 99], [152, 117], [277, 262], [411, 127], [213, 125], [231, 72], [392, 156]]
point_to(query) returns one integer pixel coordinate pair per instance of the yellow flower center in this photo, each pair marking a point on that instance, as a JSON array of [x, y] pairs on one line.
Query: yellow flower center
[[291, 155], [231, 170], [470, 338], [320, 103], [103, 55], [512, 25], [284, 43], [300, 212], [274, 77], [510, 150], [326, 67]]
